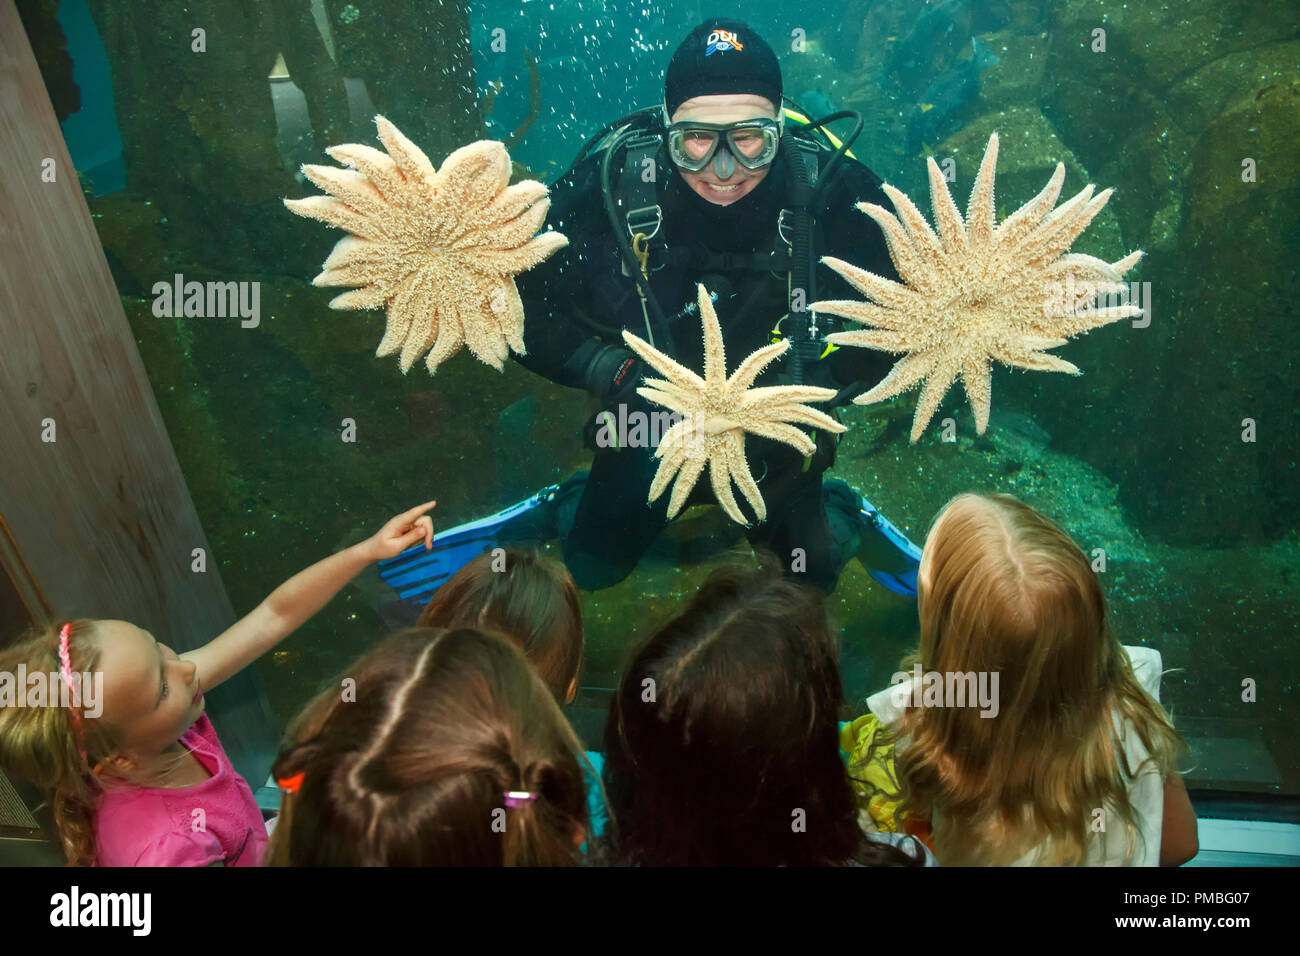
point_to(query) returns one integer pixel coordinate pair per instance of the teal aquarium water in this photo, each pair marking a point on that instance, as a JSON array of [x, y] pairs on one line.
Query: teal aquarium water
[[1171, 460]]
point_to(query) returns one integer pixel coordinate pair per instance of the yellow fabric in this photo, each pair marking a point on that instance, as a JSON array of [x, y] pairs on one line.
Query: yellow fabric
[[871, 771]]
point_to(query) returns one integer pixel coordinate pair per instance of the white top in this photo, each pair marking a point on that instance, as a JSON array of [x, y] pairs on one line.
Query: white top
[[1146, 791]]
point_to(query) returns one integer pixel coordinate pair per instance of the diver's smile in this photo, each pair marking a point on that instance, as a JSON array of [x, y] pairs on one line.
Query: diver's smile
[[721, 193]]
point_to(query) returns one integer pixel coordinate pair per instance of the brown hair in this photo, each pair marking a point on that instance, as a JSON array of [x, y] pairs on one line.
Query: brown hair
[[532, 599], [44, 744], [1003, 589], [725, 726], [412, 769]]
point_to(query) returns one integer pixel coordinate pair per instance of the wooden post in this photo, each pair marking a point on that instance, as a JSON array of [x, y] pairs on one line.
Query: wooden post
[[101, 516]]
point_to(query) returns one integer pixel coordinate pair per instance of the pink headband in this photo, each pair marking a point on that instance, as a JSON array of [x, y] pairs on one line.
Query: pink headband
[[65, 668]]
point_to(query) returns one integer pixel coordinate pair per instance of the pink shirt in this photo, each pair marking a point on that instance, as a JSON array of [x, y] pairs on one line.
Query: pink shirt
[[154, 826]]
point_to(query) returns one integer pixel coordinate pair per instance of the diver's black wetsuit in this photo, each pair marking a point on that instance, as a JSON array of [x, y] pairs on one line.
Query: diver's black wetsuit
[[580, 300]]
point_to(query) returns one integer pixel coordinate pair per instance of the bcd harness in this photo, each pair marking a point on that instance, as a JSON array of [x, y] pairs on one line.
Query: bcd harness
[[643, 250], [792, 253]]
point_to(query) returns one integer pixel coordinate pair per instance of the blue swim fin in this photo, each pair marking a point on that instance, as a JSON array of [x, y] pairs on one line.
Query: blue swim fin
[[887, 554], [416, 573]]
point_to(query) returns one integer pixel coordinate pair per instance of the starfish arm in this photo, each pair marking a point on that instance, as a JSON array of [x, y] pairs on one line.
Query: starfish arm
[[662, 364], [1128, 262], [715, 356], [1085, 320], [351, 251], [758, 360], [977, 378], [486, 344], [512, 201], [803, 415], [1024, 220], [787, 434], [932, 393], [671, 460], [1082, 268], [784, 395], [512, 261], [423, 326], [450, 338], [887, 341], [350, 187], [410, 159], [864, 312], [371, 297], [744, 478], [335, 213], [359, 274], [472, 176], [1042, 246], [980, 213], [681, 394], [399, 319], [1036, 362], [877, 288], [673, 403], [720, 478], [911, 268], [687, 476], [919, 234], [505, 235], [509, 310], [906, 372], [374, 165], [1071, 229], [952, 230]]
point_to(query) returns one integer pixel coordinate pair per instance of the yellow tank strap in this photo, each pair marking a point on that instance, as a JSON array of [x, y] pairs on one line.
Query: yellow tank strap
[[805, 120]]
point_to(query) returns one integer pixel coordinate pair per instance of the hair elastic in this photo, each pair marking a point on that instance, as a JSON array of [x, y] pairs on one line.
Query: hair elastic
[[65, 669], [517, 798], [291, 784]]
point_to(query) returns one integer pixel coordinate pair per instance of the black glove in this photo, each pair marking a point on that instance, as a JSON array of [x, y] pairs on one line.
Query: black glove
[[613, 374]]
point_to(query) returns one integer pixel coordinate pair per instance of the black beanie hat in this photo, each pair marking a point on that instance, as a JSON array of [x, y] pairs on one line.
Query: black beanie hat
[[722, 56]]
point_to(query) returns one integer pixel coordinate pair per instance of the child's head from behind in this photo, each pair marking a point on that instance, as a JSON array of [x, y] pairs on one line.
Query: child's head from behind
[[1004, 591], [413, 767], [150, 697], [724, 728], [1002, 588], [526, 596]]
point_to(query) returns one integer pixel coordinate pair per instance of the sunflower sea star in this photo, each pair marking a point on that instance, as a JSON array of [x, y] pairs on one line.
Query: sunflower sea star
[[717, 411], [438, 248], [978, 290]]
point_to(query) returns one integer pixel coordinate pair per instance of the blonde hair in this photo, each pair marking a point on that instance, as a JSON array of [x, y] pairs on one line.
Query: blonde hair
[[1005, 590], [44, 744]]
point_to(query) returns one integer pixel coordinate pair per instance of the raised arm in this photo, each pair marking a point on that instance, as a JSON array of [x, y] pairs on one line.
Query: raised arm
[[297, 599]]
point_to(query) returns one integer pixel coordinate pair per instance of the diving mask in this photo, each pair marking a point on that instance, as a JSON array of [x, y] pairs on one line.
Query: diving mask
[[753, 143]]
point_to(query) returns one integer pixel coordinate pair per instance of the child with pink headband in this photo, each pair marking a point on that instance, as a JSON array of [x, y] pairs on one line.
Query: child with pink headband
[[138, 775]]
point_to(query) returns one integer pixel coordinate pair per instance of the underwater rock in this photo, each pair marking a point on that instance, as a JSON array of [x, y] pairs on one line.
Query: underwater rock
[[50, 47], [1021, 424]]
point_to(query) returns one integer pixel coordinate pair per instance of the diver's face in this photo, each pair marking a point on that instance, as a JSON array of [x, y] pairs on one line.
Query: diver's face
[[151, 696], [724, 181]]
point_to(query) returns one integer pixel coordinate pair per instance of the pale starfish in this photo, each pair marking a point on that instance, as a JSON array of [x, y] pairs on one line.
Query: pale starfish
[[978, 290], [438, 248], [717, 411]]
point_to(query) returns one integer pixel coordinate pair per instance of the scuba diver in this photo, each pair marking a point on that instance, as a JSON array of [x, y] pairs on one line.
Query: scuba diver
[[726, 185]]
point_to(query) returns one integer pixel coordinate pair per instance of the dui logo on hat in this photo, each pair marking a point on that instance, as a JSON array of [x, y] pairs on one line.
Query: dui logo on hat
[[721, 40]]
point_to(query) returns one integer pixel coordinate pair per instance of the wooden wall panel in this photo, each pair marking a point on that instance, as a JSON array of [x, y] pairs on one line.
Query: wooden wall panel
[[101, 516]]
